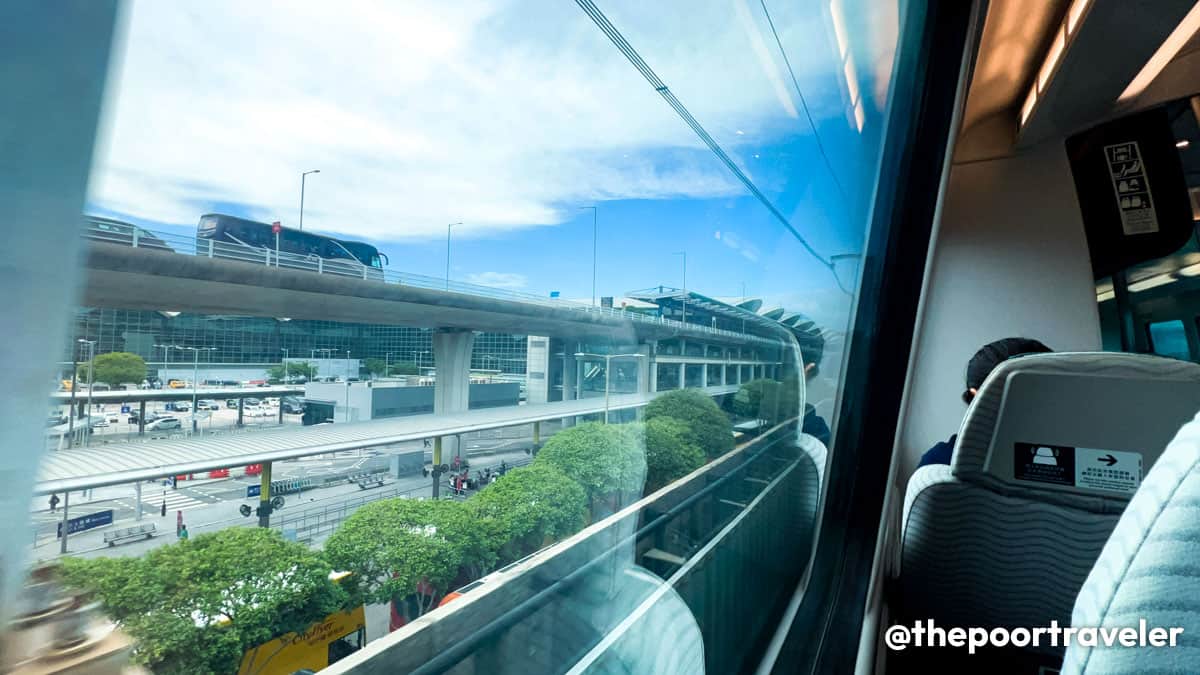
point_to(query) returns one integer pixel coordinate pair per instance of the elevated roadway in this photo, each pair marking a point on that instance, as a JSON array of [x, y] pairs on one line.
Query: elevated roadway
[[114, 464]]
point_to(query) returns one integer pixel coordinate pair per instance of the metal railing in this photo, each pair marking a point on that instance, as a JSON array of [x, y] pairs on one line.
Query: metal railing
[[136, 237]]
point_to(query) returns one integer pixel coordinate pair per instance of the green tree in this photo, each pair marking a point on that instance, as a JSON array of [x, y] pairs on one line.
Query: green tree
[[671, 452], [375, 367], [711, 428], [197, 606], [403, 369], [531, 506], [748, 400], [393, 545], [292, 370], [115, 368], [607, 460]]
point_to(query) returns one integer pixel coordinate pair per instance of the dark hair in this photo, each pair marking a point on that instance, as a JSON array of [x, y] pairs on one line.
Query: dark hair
[[993, 354]]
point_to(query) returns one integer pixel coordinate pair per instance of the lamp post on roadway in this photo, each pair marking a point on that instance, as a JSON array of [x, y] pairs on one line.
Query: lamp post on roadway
[[594, 239], [448, 253], [684, 254], [302, 177], [608, 371], [195, 376], [87, 435]]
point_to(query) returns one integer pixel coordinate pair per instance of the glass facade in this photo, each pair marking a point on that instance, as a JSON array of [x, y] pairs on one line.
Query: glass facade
[[247, 340]]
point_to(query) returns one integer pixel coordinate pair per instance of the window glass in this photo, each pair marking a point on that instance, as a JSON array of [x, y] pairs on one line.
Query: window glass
[[598, 247], [1168, 338]]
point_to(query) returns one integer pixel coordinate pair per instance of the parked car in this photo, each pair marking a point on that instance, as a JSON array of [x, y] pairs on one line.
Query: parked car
[[164, 423], [150, 417], [56, 419], [97, 421], [253, 402], [207, 404], [231, 403], [292, 406], [178, 406]]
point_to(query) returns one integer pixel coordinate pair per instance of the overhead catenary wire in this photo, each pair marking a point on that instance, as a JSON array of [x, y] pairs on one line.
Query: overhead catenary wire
[[804, 104], [640, 64]]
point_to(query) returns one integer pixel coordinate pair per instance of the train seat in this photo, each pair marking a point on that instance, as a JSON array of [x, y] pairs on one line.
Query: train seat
[[1048, 455], [1149, 569]]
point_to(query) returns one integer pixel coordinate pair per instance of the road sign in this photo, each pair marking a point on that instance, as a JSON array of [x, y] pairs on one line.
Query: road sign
[[276, 227], [125, 410], [91, 520], [253, 490]]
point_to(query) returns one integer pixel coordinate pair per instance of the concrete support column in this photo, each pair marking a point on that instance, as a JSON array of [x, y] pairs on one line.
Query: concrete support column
[[241, 408], [683, 375], [645, 366], [704, 375], [452, 389], [570, 380], [141, 430], [138, 490]]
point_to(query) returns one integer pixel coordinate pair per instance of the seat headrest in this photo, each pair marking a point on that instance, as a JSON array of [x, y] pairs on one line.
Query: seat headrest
[[1079, 428]]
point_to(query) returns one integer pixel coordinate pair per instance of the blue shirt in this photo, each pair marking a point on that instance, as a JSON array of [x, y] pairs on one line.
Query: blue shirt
[[940, 453]]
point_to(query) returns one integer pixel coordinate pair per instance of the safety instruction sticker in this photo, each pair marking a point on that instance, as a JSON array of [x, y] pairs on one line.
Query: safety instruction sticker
[[1044, 463], [1132, 187], [1108, 470]]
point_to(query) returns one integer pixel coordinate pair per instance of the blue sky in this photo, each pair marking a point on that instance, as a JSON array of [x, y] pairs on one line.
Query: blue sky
[[509, 116]]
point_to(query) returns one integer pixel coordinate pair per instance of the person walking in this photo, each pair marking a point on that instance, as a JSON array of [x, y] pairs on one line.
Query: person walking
[[53, 503], [183, 533]]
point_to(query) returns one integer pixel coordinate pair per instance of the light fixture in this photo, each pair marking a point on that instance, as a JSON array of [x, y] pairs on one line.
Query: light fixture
[[1182, 144], [1076, 13], [1190, 270], [1056, 50], [1106, 295], [1027, 107], [1152, 282], [1054, 54], [1167, 51]]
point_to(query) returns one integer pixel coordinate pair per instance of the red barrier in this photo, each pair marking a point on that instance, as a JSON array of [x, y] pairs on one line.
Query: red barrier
[[253, 469], [219, 473]]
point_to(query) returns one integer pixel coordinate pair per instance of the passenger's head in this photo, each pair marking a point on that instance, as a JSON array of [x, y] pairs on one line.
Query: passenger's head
[[993, 354], [812, 348]]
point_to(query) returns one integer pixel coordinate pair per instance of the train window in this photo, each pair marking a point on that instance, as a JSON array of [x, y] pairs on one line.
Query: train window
[[620, 233], [1168, 338]]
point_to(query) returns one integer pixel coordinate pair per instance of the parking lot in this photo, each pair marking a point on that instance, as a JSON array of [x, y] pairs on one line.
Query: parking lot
[[117, 427]]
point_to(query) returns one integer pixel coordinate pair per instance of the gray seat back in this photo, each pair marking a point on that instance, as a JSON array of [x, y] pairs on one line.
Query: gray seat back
[[1149, 569], [1048, 455]]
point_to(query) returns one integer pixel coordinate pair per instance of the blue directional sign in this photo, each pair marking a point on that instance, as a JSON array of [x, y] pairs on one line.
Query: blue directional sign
[[125, 410], [554, 294], [253, 490], [91, 520]]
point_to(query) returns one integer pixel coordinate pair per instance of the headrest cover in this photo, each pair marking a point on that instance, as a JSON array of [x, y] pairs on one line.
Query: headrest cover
[[1080, 428]]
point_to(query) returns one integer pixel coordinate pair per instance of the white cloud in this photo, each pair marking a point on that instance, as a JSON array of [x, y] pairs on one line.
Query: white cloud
[[744, 248], [498, 279], [497, 114]]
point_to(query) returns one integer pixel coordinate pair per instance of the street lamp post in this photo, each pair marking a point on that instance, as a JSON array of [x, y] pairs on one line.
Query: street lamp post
[[608, 371], [684, 254], [302, 177], [347, 365], [87, 435], [594, 239], [285, 364], [195, 375], [448, 253]]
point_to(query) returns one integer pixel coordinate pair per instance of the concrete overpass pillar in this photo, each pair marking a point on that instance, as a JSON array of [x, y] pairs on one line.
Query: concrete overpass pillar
[[645, 366], [570, 380], [452, 389], [683, 375]]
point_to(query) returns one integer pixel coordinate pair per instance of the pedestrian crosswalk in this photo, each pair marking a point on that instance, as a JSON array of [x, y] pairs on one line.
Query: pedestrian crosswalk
[[176, 501]]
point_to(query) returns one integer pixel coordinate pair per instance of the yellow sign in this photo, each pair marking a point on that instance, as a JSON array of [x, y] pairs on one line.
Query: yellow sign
[[324, 643]]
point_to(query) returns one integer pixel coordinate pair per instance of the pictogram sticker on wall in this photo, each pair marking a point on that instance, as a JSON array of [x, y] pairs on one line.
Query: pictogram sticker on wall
[[1131, 188]]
